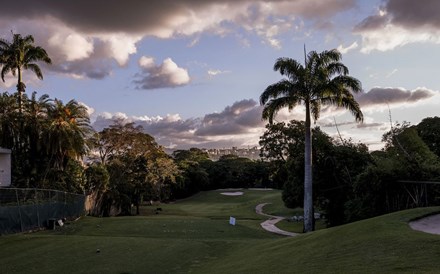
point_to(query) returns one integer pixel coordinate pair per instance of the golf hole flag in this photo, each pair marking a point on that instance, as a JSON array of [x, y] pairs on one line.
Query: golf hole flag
[[231, 220]]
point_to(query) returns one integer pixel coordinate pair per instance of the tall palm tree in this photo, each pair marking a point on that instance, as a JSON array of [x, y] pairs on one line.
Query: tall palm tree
[[323, 80], [18, 55]]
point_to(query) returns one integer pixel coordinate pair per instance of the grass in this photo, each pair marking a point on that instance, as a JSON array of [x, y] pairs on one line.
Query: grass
[[194, 236]]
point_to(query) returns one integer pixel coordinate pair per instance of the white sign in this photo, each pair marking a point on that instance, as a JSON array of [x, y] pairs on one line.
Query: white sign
[[231, 220]]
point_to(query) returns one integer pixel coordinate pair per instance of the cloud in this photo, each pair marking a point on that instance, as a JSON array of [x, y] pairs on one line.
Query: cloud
[[343, 50], [381, 96], [87, 38], [75, 53], [398, 23], [215, 72], [165, 75], [391, 73], [239, 118], [168, 17], [237, 125]]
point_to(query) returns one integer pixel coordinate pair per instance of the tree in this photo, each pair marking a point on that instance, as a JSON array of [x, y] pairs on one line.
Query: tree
[[68, 127], [18, 55], [323, 80], [193, 176], [429, 130]]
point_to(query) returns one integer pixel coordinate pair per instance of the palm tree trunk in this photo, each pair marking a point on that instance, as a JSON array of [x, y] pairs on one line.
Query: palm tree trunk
[[308, 189], [20, 90]]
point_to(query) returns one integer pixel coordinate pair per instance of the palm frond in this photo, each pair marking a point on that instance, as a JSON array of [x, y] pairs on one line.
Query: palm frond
[[283, 87], [273, 106]]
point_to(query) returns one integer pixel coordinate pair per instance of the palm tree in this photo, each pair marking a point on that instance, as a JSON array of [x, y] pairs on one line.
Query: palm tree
[[65, 137], [18, 55], [35, 122], [323, 80]]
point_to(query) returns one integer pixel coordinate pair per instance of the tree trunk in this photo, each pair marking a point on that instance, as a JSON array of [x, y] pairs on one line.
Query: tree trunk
[[20, 89], [308, 188]]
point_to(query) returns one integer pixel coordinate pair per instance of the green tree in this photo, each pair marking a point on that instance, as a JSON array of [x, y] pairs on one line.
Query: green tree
[[18, 55], [193, 176], [9, 129], [67, 129], [323, 80], [429, 130]]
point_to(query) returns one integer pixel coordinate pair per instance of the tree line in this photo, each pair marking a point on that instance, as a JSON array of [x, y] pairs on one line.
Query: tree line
[[350, 182]]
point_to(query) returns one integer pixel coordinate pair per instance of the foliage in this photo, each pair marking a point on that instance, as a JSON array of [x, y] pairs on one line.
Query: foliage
[[323, 80], [18, 55], [336, 166], [138, 168], [396, 179], [46, 138], [429, 131]]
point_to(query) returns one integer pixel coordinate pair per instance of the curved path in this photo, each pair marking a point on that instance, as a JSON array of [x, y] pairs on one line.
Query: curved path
[[269, 225], [430, 224]]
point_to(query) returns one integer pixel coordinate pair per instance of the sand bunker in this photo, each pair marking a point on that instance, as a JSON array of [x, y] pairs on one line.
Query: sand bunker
[[236, 193], [430, 224]]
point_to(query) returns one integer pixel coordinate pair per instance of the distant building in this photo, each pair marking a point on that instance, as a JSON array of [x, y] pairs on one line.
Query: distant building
[[252, 153], [5, 167]]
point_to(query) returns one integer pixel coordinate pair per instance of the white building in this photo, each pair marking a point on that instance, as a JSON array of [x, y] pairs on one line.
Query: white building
[[5, 167]]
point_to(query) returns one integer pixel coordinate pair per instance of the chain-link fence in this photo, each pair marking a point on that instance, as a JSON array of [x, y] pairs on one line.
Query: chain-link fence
[[26, 209]]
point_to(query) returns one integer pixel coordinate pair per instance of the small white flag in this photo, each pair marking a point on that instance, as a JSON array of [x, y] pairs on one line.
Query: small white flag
[[231, 220]]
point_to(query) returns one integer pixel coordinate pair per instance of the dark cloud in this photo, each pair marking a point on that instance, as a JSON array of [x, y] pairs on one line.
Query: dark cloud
[[372, 23], [242, 119], [414, 14], [139, 16], [409, 14], [238, 118], [381, 96]]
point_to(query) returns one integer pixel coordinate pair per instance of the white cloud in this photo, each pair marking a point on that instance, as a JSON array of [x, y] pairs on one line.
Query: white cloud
[[72, 46], [146, 62], [120, 46], [394, 71], [391, 36], [215, 72], [165, 75], [398, 23], [90, 110], [343, 50]]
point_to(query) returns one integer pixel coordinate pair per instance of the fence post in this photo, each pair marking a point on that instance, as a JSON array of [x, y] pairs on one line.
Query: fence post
[[19, 210], [37, 205]]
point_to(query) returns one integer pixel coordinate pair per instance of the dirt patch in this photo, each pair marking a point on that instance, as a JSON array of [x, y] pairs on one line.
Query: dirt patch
[[430, 224]]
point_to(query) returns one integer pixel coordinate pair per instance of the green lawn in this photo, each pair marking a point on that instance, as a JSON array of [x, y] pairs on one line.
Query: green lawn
[[194, 236]]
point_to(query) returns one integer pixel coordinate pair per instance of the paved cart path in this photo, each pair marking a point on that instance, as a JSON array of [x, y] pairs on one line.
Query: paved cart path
[[269, 225]]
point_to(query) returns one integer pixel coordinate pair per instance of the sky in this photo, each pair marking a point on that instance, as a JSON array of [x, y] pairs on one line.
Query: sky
[[191, 72]]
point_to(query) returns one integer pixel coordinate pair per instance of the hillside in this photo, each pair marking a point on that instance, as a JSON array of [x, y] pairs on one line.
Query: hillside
[[194, 236]]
